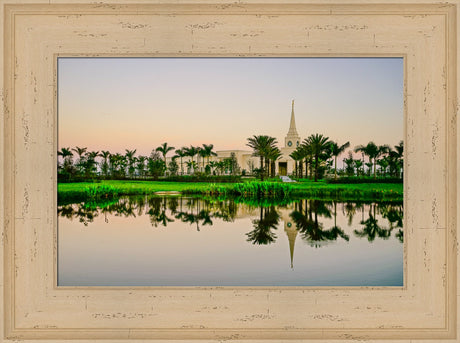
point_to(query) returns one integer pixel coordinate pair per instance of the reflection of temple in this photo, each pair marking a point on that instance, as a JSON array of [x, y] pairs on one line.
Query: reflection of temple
[[291, 231]]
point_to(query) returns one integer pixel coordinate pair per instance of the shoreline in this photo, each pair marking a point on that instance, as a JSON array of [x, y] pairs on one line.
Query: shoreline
[[252, 190]]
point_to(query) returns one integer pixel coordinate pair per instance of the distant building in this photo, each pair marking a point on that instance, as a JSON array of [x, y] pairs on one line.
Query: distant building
[[285, 165]]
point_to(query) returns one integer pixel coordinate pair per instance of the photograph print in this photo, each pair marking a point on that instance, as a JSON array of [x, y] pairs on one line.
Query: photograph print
[[255, 172]]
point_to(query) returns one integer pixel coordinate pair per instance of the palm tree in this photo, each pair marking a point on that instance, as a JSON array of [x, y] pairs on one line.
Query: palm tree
[[273, 154], [207, 151], [90, 164], [191, 152], [212, 165], [270, 151], [129, 154], [105, 162], [297, 156], [181, 153], [358, 164], [220, 166], [140, 166], [202, 155], [117, 165], [306, 152], [383, 163], [319, 145], [80, 152], [65, 153], [261, 146], [370, 150], [395, 159], [336, 150], [164, 149], [373, 151], [67, 163], [349, 164], [191, 165], [257, 144]]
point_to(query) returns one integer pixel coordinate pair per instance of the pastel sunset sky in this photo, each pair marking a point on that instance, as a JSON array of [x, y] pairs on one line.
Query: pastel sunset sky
[[138, 103]]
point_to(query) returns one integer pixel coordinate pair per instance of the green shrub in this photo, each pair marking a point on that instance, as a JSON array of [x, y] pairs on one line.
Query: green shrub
[[246, 189], [100, 191]]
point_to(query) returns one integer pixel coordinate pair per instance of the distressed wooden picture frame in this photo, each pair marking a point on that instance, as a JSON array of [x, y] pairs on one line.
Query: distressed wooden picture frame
[[35, 34]]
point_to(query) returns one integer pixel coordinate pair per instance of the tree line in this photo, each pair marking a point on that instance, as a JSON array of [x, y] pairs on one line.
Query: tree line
[[315, 157], [79, 163], [317, 154]]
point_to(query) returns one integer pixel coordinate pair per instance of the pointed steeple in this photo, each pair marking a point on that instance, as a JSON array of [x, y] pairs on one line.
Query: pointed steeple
[[292, 139], [292, 129]]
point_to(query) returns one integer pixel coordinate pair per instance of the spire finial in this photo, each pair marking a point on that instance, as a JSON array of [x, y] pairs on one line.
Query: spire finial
[[292, 105]]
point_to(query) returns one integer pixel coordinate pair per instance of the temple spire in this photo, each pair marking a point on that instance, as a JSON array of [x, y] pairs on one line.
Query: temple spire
[[292, 128]]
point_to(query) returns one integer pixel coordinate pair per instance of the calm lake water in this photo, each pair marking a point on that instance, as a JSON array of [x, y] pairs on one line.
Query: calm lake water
[[184, 241]]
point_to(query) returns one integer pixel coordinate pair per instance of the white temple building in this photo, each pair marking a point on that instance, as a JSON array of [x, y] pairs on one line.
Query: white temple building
[[285, 165]]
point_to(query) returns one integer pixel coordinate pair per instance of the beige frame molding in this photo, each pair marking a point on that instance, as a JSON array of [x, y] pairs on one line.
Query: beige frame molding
[[34, 34]]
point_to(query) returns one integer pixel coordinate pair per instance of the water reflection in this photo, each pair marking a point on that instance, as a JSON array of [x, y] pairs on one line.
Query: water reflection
[[193, 241], [264, 227], [306, 216]]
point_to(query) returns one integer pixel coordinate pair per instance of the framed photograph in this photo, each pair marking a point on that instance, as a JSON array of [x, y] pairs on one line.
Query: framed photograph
[[231, 171]]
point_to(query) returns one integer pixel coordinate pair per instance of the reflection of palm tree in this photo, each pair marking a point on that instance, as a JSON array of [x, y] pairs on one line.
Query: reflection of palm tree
[[126, 208], [310, 228], [172, 204], [226, 210], [350, 211], [154, 210], [336, 231], [206, 217], [394, 214], [66, 211], [86, 214], [371, 228], [164, 219], [262, 233]]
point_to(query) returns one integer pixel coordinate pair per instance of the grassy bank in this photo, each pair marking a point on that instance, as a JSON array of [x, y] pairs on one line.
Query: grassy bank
[[315, 190]]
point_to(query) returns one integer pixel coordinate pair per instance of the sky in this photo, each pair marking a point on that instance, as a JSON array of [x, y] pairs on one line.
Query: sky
[[138, 103]]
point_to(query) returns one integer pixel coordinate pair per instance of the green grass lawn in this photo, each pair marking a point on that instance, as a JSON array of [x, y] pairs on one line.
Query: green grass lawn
[[305, 188]]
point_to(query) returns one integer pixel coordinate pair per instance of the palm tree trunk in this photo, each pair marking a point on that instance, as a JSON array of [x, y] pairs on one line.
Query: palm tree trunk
[[316, 168], [261, 168], [267, 167], [335, 167], [306, 168], [374, 167]]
